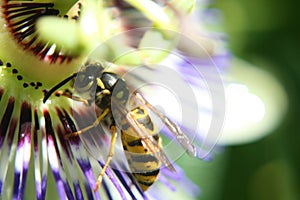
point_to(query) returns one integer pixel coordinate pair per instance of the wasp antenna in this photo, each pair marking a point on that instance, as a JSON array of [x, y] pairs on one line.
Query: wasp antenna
[[52, 90]]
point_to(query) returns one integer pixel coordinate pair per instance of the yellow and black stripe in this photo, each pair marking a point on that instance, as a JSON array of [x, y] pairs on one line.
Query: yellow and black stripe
[[143, 164]]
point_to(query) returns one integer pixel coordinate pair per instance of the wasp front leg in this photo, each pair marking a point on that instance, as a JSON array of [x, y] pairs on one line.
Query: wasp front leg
[[96, 123], [70, 95], [109, 158]]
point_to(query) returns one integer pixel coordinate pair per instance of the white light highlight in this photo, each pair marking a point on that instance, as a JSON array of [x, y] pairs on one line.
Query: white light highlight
[[255, 104], [89, 25], [242, 107]]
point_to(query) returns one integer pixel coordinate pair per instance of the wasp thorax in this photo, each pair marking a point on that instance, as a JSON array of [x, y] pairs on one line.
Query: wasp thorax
[[117, 86]]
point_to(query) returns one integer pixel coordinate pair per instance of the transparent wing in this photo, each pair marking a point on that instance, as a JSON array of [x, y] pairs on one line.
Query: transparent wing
[[181, 137], [149, 142]]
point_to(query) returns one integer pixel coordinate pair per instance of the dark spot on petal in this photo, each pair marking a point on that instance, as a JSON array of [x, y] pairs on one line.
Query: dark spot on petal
[[25, 85], [75, 17], [7, 64], [1, 62], [32, 84], [14, 71], [39, 84], [19, 77]]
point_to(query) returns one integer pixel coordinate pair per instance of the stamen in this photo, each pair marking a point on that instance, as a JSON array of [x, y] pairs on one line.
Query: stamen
[[23, 151], [40, 177], [55, 161], [6, 118], [114, 180], [106, 189], [123, 181], [78, 152], [6, 155]]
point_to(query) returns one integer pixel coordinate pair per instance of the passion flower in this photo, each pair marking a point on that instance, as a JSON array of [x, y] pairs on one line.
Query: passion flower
[[42, 43]]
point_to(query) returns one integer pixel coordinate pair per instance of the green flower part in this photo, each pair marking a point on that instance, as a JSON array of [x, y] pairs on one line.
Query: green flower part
[[105, 22], [42, 43], [22, 46]]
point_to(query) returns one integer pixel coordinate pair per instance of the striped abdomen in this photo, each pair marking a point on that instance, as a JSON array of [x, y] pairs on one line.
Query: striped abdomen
[[143, 164]]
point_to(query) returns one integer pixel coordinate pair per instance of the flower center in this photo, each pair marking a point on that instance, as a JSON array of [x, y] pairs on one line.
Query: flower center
[[22, 46]]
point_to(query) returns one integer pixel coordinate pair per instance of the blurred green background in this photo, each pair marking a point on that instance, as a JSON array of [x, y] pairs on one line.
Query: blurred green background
[[265, 33]]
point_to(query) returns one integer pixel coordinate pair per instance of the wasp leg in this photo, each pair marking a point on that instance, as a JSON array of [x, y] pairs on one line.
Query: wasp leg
[[109, 158], [96, 122], [71, 96], [100, 83]]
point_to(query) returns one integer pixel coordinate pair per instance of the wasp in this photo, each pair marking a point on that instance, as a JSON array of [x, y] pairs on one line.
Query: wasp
[[141, 141]]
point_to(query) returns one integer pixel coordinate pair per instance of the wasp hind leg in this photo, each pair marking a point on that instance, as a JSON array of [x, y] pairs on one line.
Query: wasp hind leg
[[109, 157]]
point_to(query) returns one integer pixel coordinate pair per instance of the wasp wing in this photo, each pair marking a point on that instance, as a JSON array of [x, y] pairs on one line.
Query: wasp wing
[[181, 137], [149, 142]]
